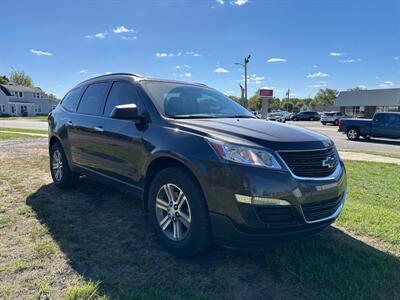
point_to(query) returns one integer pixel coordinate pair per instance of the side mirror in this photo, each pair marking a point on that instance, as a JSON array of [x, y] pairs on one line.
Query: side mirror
[[126, 111]]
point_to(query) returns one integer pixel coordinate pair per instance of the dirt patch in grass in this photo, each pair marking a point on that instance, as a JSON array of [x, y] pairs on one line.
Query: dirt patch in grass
[[94, 242]]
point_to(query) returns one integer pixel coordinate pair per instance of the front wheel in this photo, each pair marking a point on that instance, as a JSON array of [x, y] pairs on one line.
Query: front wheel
[[178, 212], [62, 175], [353, 134]]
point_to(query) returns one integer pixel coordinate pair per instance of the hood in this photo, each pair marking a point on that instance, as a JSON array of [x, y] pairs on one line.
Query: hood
[[273, 135]]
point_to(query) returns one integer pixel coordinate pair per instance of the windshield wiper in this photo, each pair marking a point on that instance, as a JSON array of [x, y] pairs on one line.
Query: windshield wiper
[[240, 117], [192, 117]]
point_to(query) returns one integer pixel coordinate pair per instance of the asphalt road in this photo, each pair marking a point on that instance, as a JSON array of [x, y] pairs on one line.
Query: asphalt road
[[341, 141], [24, 124]]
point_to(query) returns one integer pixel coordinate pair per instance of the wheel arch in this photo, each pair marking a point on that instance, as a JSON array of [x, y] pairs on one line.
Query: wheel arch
[[163, 162]]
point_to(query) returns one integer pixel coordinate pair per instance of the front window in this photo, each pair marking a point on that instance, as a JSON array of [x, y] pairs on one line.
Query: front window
[[179, 100]]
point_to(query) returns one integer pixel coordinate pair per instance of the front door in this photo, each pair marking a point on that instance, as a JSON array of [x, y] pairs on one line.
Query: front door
[[121, 147], [379, 125], [24, 110]]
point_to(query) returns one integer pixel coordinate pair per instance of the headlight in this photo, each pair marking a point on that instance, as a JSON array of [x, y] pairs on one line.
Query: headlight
[[244, 155]]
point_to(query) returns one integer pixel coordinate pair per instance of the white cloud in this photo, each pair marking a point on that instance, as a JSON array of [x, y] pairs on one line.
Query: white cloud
[[239, 2], [192, 53], [40, 53], [336, 54], [99, 35], [396, 58], [128, 38], [220, 70], [387, 83], [220, 1], [122, 29], [188, 74], [315, 66], [274, 59], [318, 74], [164, 54], [349, 61], [84, 71], [318, 85], [228, 93]]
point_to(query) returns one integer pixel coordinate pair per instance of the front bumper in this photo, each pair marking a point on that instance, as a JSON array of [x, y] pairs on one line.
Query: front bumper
[[315, 204]]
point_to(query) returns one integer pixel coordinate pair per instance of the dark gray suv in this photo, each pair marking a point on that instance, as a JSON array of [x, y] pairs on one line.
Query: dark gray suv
[[205, 168]]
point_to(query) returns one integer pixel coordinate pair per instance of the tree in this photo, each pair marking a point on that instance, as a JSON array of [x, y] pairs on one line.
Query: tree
[[326, 96], [53, 97], [254, 102], [357, 88], [20, 78], [4, 80], [234, 98]]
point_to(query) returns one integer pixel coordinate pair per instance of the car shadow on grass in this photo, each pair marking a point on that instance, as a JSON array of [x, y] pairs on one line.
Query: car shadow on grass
[[106, 237], [378, 141]]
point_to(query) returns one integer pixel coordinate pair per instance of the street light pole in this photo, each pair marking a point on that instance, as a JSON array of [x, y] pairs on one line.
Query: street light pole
[[246, 61]]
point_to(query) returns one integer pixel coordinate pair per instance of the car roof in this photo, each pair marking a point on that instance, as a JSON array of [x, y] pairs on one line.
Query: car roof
[[132, 76]]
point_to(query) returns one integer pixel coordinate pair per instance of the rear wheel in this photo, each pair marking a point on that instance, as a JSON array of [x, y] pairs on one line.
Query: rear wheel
[[62, 175], [178, 212], [336, 122], [294, 119], [323, 123], [353, 134], [311, 119]]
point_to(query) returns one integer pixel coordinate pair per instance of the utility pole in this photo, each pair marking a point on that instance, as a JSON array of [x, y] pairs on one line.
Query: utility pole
[[246, 61], [288, 98]]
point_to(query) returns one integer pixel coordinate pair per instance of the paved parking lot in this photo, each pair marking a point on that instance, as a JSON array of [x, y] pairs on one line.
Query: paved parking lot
[[342, 143]]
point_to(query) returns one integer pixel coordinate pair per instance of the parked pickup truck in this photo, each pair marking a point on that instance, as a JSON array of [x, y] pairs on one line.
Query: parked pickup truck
[[383, 125]]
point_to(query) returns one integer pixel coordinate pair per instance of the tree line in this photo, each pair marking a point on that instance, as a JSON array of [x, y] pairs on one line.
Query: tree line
[[324, 97]]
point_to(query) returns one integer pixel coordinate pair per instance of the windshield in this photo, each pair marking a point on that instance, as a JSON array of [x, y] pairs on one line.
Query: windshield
[[329, 114], [179, 100]]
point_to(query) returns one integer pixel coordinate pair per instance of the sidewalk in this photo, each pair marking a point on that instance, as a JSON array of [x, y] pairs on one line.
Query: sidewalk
[[368, 157]]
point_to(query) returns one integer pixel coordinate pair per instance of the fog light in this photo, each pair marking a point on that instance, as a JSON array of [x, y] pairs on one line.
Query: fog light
[[260, 200]]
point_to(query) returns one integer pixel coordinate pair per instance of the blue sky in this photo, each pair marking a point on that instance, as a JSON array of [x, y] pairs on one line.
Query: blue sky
[[301, 45]]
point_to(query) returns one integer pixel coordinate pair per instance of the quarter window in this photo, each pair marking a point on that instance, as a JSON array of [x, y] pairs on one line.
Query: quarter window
[[122, 93], [71, 100], [92, 100]]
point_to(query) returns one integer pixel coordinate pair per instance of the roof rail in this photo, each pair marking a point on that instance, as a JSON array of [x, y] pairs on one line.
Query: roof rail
[[113, 74]]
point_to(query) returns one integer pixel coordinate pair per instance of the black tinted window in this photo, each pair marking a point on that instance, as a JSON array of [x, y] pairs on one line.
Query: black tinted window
[[122, 93], [92, 99], [72, 98]]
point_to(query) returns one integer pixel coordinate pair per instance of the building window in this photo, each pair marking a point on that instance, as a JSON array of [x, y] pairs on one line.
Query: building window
[[3, 108], [18, 94]]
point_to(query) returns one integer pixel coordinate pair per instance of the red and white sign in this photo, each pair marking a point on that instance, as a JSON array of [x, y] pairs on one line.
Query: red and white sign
[[265, 93]]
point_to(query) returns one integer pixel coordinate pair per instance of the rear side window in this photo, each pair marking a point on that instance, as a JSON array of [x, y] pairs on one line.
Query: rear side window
[[122, 93], [71, 100], [379, 117], [93, 98]]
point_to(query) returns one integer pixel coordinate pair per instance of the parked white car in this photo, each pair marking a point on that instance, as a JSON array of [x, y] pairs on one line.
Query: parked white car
[[276, 117], [332, 117]]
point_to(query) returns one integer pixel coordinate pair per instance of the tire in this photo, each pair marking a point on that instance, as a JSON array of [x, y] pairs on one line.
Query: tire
[[294, 119], [323, 123], [336, 123], [62, 175], [311, 119], [186, 228], [366, 137], [353, 133]]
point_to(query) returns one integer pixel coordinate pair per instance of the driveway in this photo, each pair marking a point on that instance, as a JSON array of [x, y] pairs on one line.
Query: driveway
[[342, 143], [24, 124]]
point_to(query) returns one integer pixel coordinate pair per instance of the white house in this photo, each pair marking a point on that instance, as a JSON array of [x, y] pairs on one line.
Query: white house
[[16, 100]]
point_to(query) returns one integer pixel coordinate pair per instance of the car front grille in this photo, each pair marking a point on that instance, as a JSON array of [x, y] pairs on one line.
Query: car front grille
[[275, 215], [311, 163], [320, 210]]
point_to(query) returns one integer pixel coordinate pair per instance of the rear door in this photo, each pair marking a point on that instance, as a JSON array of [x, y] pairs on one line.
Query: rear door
[[87, 128], [393, 125], [121, 147], [379, 125]]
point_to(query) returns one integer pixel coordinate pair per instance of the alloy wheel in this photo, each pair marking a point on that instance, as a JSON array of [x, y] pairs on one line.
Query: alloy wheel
[[57, 165], [352, 134], [173, 212]]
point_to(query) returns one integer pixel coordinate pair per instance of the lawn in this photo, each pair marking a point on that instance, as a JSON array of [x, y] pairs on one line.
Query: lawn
[[93, 242], [7, 133]]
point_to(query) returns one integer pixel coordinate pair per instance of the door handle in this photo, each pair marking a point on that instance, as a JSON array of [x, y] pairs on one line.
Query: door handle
[[70, 123], [99, 128]]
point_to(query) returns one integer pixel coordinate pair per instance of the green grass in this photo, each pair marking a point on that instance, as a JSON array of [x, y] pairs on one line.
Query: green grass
[[373, 206], [41, 131], [94, 242], [14, 133]]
